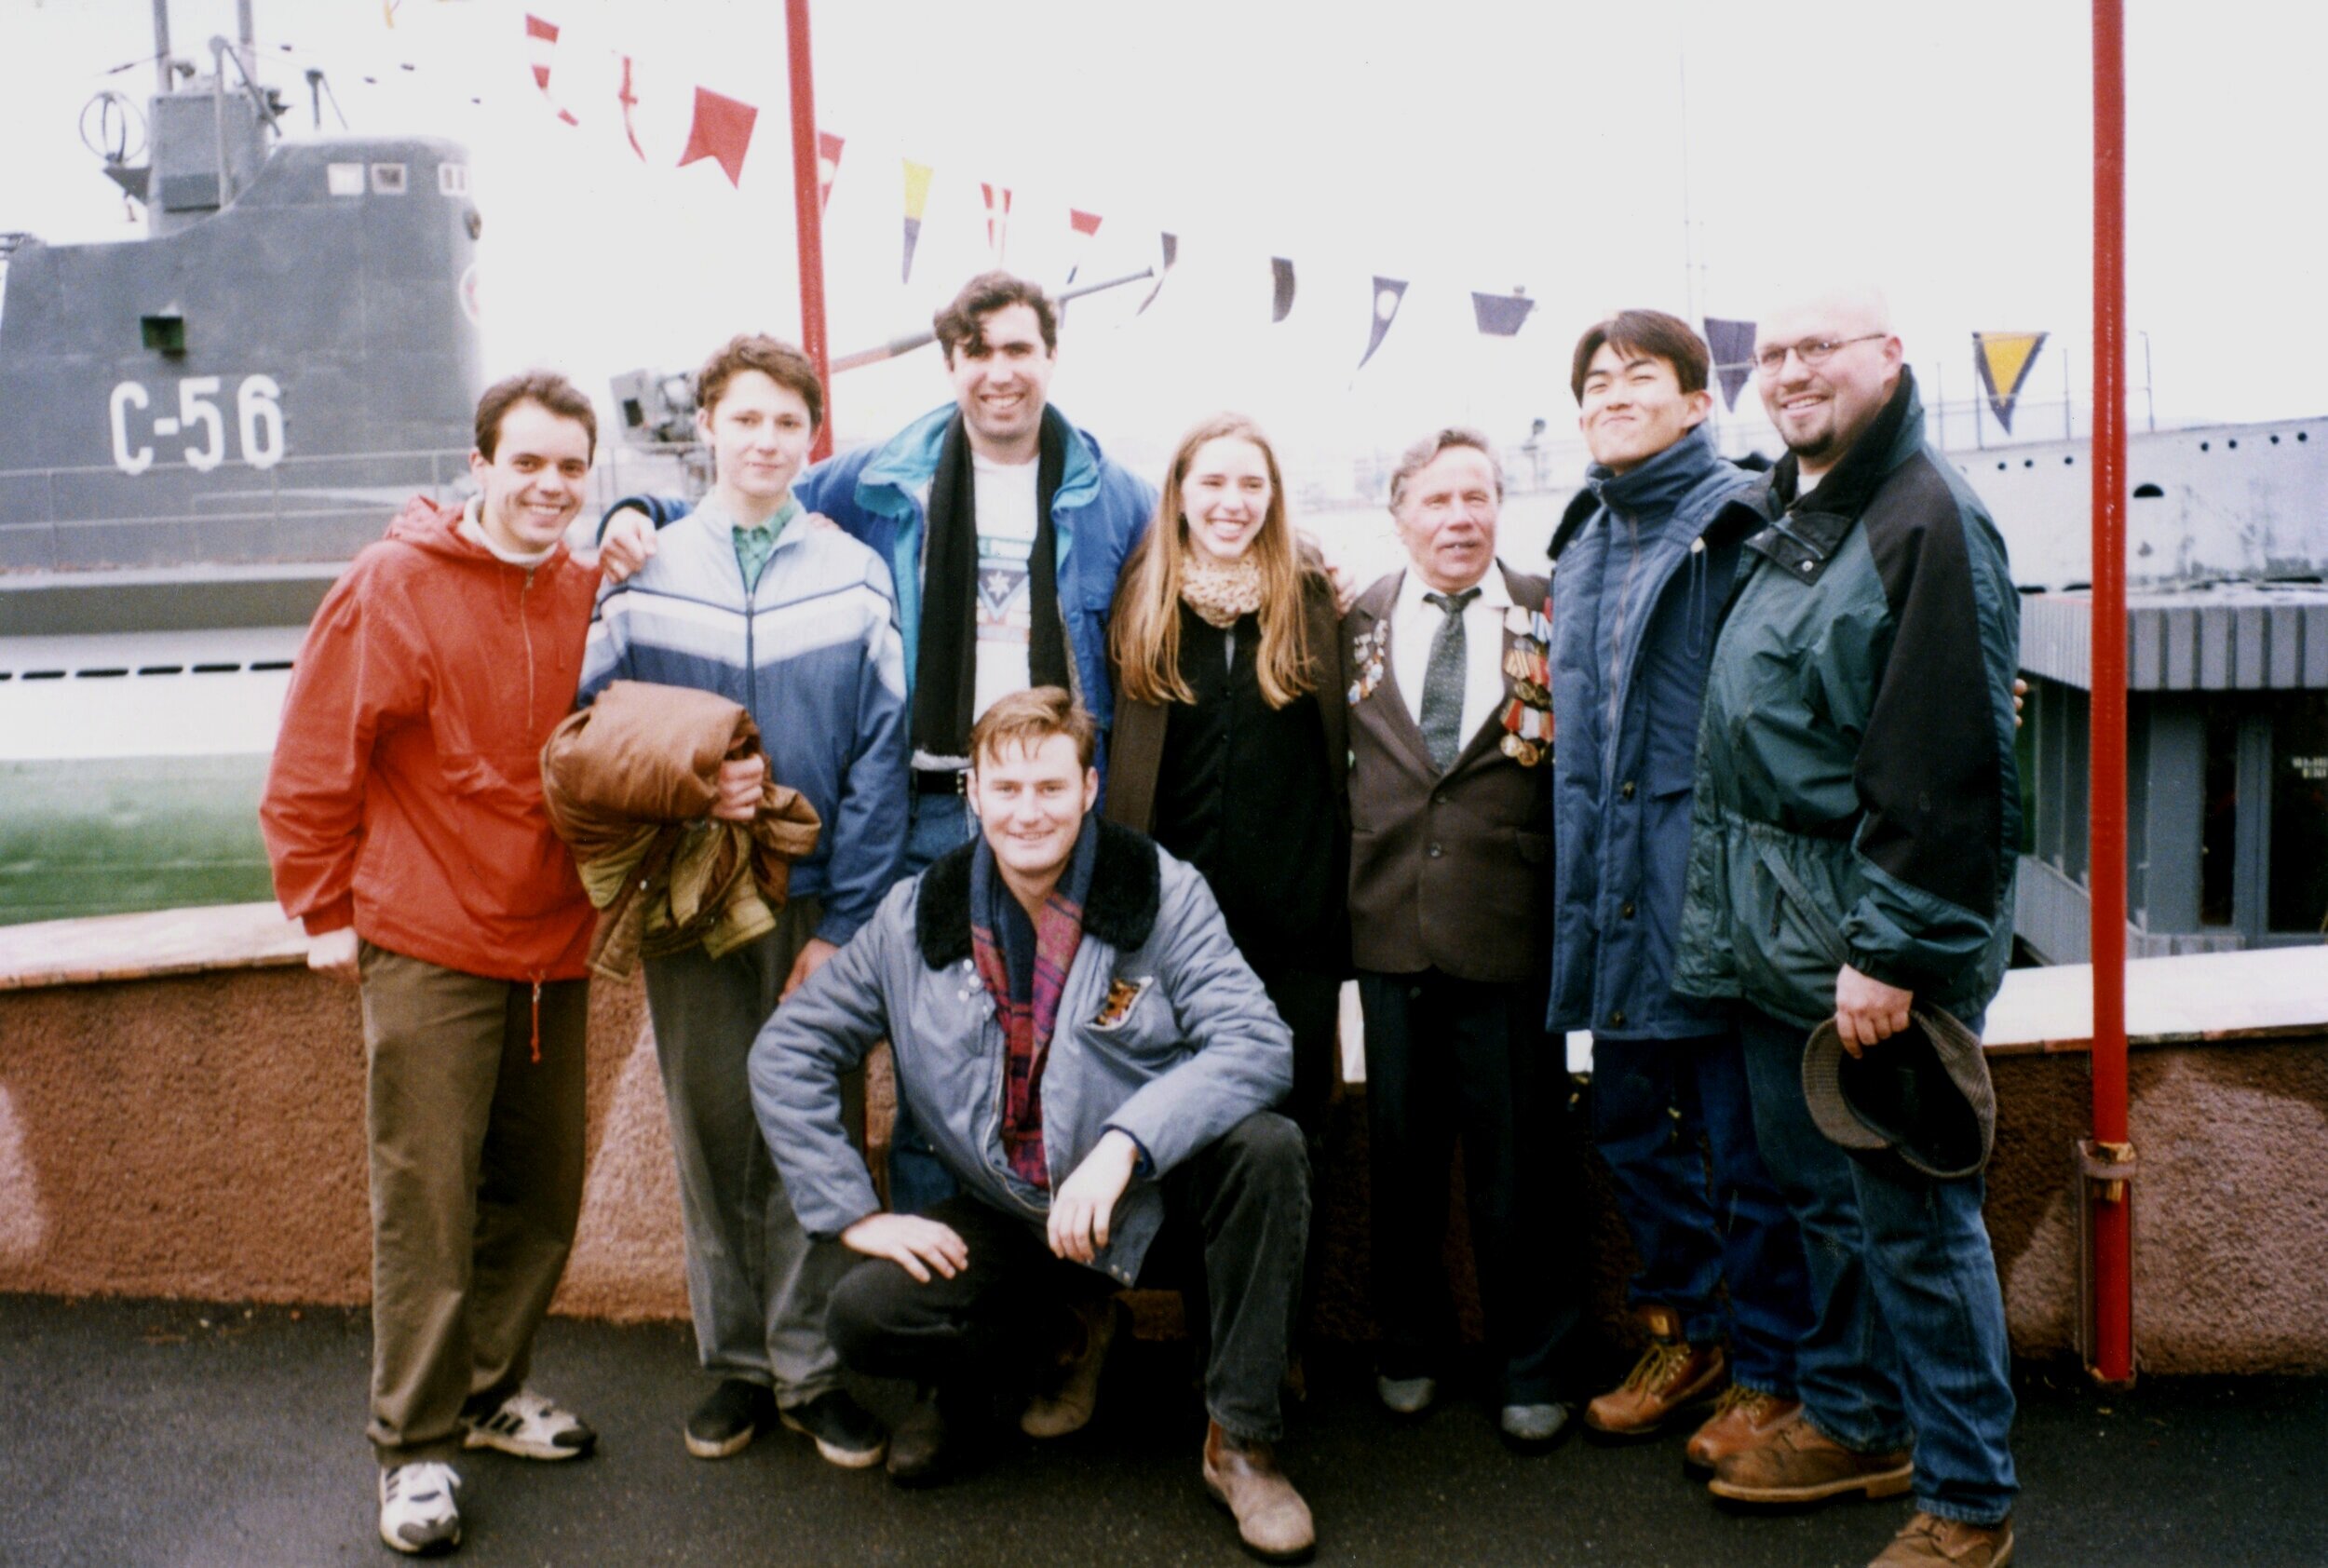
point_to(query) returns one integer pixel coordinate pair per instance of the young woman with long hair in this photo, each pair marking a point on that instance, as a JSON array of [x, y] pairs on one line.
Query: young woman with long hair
[[1230, 743]]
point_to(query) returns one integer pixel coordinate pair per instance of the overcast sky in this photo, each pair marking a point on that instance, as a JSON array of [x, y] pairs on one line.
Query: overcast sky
[[1457, 144]]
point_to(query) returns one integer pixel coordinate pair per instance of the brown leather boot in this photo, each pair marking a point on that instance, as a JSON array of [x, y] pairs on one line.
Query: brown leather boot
[[1743, 1418], [1799, 1464], [1242, 1475], [1672, 1375], [1932, 1542], [1068, 1406]]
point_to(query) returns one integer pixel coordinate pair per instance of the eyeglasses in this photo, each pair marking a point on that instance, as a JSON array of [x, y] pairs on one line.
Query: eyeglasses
[[1810, 351]]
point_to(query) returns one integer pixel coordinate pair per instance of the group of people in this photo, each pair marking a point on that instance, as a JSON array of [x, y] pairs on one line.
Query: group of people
[[1112, 792]]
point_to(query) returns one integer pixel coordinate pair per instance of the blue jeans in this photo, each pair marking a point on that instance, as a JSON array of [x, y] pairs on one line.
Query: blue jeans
[[935, 824], [1653, 1104], [1908, 1342]]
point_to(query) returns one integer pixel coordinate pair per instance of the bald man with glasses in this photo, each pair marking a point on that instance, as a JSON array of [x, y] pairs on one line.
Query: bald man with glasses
[[1856, 819]]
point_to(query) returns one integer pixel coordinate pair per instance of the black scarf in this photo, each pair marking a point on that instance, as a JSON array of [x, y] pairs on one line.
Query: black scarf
[[945, 672]]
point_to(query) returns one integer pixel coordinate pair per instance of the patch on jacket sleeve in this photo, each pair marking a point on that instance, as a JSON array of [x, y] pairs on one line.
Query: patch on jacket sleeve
[[1122, 996]]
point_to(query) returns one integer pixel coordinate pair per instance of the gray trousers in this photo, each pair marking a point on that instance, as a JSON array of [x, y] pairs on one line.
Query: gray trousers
[[477, 1153], [757, 1285]]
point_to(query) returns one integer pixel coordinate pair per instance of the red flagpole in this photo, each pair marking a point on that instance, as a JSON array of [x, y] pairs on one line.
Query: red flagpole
[[2111, 1228], [808, 210]]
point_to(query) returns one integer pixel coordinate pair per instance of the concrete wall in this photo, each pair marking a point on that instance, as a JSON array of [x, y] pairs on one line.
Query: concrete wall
[[202, 1135], [199, 1134]]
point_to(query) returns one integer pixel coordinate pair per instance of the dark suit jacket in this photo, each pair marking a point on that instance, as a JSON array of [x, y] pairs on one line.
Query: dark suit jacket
[[1450, 871]]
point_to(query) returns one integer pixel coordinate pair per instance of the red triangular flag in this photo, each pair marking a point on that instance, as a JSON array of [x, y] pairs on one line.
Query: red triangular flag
[[1086, 224], [543, 37], [722, 132], [997, 217], [828, 165]]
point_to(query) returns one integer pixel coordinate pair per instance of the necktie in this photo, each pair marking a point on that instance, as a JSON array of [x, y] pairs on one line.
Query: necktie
[[1443, 679]]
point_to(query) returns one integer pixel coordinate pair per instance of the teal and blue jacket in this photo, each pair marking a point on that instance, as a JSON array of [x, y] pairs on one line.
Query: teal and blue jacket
[[1100, 514], [1856, 744]]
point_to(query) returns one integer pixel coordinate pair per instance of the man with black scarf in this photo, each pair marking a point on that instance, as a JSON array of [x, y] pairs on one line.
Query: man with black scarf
[[1004, 528]]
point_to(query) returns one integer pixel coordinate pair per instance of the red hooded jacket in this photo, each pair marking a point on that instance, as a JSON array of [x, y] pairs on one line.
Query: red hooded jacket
[[405, 795]]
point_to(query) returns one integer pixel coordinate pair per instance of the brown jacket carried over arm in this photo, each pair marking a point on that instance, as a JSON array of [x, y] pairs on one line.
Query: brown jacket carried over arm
[[629, 783]]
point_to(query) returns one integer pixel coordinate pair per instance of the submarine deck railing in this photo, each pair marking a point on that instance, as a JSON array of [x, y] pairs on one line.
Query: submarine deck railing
[[616, 470]]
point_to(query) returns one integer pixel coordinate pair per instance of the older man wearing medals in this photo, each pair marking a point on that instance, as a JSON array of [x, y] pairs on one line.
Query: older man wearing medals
[[1446, 670]]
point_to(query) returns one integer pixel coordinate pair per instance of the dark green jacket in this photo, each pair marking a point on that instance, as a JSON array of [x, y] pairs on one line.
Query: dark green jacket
[[1857, 740]]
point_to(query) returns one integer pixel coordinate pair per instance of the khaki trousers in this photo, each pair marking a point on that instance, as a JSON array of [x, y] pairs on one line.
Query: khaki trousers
[[477, 1153]]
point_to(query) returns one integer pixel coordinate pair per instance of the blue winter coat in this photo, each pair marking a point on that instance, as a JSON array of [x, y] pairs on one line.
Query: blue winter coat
[[1635, 601], [1101, 511]]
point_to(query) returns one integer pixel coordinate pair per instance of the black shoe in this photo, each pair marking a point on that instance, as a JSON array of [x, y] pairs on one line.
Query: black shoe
[[725, 1423], [847, 1433], [918, 1454]]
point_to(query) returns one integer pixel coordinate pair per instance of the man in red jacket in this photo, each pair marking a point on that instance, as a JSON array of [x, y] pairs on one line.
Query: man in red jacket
[[404, 817]]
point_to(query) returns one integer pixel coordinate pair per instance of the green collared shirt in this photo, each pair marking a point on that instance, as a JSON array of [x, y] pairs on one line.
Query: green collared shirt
[[753, 546]]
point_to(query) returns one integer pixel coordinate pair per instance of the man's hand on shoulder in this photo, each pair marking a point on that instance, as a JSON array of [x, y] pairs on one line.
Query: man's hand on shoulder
[[1866, 1010], [814, 955], [1084, 1206], [334, 954], [914, 1244], [1313, 555], [627, 545]]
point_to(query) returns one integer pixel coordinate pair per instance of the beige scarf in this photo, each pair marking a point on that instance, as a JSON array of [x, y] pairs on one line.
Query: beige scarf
[[1221, 591]]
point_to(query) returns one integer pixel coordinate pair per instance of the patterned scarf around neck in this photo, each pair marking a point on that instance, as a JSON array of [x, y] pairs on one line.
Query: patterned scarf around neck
[[1027, 1020], [1221, 591]]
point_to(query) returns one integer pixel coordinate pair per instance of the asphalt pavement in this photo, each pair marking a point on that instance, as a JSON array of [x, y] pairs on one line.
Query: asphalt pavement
[[136, 1433]]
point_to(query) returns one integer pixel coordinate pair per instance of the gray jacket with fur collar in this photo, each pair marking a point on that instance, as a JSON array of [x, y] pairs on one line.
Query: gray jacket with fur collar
[[1164, 1031]]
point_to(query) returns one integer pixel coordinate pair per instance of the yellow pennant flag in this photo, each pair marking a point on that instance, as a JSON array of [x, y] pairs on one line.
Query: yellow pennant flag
[[916, 197], [2004, 360]]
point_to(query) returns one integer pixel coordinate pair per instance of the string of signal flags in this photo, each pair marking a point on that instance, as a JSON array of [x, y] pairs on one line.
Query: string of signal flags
[[723, 128]]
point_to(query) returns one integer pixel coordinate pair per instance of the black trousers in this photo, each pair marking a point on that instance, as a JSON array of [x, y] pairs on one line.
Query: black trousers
[[1243, 1202], [1311, 1005], [1447, 1057]]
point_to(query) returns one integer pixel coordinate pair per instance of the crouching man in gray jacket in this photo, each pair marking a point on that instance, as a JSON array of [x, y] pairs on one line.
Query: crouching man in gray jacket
[[1093, 1063]]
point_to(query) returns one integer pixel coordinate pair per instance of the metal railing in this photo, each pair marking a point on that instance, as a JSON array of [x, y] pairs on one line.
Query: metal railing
[[316, 506]]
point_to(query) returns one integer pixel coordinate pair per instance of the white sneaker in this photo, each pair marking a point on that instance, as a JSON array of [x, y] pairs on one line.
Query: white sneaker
[[1406, 1396], [1534, 1426], [531, 1428], [417, 1514]]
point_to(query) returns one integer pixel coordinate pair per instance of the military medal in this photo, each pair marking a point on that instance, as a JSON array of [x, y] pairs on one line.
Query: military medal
[[1527, 716], [1366, 652]]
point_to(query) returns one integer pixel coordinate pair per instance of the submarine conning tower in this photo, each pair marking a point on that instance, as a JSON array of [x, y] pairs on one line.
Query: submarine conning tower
[[236, 401]]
